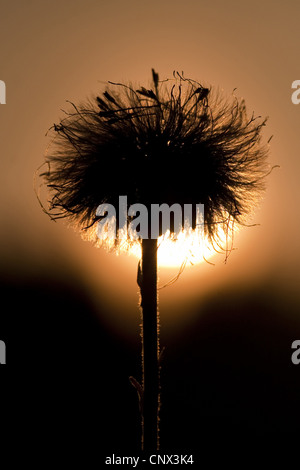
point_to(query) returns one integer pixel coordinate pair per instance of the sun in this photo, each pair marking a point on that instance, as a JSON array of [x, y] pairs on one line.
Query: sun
[[187, 248]]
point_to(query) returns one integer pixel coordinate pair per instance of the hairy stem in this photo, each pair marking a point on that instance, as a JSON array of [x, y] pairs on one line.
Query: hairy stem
[[150, 351]]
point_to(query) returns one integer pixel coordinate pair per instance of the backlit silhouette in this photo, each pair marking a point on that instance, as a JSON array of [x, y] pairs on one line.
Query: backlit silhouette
[[174, 142]]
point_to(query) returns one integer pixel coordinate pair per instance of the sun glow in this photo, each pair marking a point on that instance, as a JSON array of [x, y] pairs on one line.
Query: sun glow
[[188, 249]]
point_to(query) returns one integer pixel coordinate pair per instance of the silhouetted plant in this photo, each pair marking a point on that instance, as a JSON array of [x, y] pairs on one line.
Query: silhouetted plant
[[175, 141], [172, 143]]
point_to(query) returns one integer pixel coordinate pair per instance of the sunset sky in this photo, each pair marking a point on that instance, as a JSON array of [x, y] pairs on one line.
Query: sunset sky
[[53, 51]]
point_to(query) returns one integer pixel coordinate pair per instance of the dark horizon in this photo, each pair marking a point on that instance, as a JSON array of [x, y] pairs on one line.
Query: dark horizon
[[226, 377]]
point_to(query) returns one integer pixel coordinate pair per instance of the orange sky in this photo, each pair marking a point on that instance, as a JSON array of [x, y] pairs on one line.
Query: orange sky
[[53, 51]]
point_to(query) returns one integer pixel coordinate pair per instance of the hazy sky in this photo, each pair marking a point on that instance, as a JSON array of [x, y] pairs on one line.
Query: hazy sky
[[53, 51]]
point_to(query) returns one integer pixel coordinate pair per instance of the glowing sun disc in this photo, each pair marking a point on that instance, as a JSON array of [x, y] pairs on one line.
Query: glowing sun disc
[[186, 248], [189, 247]]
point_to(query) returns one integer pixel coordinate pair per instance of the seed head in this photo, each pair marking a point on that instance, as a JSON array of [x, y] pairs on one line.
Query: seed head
[[175, 141]]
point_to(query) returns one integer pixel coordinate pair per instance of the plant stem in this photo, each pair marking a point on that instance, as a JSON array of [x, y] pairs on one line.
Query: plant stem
[[150, 438]]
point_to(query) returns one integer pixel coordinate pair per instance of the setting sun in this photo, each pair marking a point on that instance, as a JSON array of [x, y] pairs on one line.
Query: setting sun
[[188, 248]]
